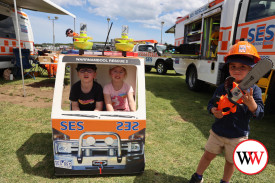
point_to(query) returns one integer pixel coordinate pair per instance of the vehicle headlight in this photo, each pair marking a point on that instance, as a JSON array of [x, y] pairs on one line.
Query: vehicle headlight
[[135, 147], [109, 140], [64, 147], [90, 141]]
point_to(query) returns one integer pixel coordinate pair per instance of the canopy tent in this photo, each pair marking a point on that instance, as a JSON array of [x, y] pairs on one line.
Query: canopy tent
[[36, 5]]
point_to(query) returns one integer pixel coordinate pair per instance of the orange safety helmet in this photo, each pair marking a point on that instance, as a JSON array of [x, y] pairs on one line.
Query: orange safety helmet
[[243, 48]]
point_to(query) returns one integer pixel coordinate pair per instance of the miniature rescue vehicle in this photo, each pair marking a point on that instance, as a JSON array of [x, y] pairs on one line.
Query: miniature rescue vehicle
[[98, 142]]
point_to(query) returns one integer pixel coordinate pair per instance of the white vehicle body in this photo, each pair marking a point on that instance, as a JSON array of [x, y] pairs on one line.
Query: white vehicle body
[[8, 37], [249, 20], [8, 26], [153, 56]]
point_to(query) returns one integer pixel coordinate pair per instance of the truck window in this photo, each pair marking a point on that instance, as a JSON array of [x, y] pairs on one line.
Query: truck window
[[193, 33], [144, 47], [210, 38], [161, 48], [258, 9], [6, 27]]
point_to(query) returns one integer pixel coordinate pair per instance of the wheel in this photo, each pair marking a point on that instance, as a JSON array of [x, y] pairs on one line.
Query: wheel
[[148, 69], [161, 68], [192, 79]]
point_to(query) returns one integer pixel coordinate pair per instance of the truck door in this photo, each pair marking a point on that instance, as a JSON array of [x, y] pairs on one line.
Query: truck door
[[256, 24], [210, 37]]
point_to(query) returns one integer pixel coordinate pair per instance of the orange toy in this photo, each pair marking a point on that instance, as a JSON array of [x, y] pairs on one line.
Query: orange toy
[[225, 102]]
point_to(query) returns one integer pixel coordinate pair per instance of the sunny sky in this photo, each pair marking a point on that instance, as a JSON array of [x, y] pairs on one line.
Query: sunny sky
[[143, 18]]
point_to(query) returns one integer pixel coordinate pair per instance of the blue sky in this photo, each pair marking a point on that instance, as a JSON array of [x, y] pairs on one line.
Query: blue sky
[[143, 18]]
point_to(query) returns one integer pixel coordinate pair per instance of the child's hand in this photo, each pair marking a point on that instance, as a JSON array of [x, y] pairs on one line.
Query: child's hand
[[249, 101], [217, 113]]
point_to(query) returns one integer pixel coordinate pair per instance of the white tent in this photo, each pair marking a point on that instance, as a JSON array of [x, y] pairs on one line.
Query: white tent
[[36, 5]]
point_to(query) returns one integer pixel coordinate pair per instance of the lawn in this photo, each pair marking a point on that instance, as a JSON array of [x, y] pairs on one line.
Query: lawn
[[177, 129]]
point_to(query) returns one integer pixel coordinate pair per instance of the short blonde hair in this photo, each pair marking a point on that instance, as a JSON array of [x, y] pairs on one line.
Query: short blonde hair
[[115, 66]]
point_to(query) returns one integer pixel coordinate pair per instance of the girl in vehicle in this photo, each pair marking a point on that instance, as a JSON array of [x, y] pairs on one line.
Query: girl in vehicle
[[118, 95]]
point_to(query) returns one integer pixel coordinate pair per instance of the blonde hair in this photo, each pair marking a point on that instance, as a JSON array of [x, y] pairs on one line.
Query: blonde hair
[[115, 66]]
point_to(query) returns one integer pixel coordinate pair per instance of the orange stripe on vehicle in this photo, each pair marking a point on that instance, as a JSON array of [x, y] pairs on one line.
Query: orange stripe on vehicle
[[97, 126], [220, 36], [213, 3], [184, 18], [5, 39], [3, 49], [179, 38], [6, 54], [21, 13], [6, 43], [14, 43], [266, 53], [257, 21], [229, 35], [244, 32], [222, 53], [224, 45], [225, 28]]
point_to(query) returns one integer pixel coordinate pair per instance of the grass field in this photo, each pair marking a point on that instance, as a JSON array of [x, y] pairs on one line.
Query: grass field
[[177, 129]]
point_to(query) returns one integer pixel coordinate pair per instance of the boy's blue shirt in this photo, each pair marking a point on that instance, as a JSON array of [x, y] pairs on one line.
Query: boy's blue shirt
[[235, 125]]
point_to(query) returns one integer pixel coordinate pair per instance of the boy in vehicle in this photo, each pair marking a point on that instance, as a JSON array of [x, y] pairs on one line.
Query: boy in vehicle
[[229, 130], [86, 94]]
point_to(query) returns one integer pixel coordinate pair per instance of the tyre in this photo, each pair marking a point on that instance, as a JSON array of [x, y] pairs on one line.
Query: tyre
[[192, 79], [148, 69], [161, 68]]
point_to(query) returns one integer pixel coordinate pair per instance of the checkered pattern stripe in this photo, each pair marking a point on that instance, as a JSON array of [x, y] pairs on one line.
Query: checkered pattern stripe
[[7, 45]]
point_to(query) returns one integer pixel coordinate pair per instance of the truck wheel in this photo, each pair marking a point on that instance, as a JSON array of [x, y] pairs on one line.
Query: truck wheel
[[161, 68], [192, 79], [147, 69]]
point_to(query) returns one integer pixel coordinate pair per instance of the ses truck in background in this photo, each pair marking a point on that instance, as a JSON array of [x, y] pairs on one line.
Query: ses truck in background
[[8, 37], [205, 35], [152, 52]]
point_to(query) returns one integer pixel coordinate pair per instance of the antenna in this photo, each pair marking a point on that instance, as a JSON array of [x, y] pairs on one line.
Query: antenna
[[107, 39]]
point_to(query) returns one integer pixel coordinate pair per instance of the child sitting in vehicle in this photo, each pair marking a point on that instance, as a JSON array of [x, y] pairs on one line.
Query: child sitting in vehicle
[[86, 94], [118, 95]]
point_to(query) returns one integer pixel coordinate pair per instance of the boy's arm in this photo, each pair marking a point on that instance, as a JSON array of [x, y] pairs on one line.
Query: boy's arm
[[75, 106], [98, 106], [212, 101]]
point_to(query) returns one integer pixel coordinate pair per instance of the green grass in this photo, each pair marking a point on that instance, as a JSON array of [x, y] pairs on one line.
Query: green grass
[[177, 129]]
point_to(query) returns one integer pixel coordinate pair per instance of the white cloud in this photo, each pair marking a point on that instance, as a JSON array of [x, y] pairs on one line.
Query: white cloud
[[150, 12], [143, 16]]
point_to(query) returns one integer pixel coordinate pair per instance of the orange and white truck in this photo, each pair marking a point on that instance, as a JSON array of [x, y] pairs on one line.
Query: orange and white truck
[[8, 26], [201, 50], [8, 37], [98, 142]]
